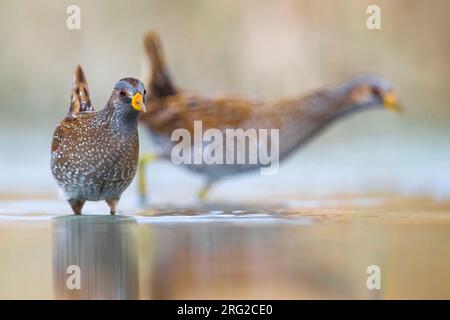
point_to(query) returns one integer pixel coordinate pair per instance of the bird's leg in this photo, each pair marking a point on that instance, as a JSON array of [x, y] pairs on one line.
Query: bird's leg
[[112, 203], [142, 184], [76, 205], [204, 191]]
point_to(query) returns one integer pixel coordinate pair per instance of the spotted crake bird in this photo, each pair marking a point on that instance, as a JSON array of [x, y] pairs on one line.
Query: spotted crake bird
[[94, 154], [298, 119]]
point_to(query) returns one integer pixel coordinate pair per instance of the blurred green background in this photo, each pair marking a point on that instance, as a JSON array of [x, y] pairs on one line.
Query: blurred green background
[[270, 49]]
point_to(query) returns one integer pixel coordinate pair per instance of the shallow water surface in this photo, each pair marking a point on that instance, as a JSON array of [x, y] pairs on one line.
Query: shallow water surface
[[302, 249]]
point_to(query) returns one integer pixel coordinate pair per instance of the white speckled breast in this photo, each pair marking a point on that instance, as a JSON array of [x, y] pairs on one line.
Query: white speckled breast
[[94, 160]]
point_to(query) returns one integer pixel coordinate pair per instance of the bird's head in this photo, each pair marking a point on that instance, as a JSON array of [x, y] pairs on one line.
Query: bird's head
[[372, 90], [129, 95]]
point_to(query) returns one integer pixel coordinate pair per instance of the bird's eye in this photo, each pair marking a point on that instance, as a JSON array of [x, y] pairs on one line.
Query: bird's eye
[[376, 91], [145, 92], [122, 93]]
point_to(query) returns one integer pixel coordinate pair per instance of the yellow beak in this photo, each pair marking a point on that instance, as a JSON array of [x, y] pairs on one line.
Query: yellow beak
[[138, 102], [390, 102]]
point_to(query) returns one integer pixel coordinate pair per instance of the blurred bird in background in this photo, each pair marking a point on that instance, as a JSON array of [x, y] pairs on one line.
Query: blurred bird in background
[[298, 119], [94, 155]]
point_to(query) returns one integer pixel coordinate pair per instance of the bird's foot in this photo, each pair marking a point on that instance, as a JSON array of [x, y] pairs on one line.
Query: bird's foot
[[76, 205], [142, 184], [203, 193], [112, 203]]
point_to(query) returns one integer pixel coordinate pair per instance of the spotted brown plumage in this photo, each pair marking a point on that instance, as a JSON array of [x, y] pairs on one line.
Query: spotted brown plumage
[[94, 154], [298, 119]]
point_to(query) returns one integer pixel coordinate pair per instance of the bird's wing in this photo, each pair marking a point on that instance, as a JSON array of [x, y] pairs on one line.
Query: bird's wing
[[170, 108], [180, 111], [80, 100], [65, 128], [58, 136], [160, 83], [220, 112]]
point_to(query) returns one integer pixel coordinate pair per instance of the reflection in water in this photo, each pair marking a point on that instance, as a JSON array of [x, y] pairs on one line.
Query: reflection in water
[[294, 254], [104, 247], [233, 260]]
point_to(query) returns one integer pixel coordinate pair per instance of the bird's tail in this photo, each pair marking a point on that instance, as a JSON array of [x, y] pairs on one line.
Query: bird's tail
[[79, 99], [160, 84]]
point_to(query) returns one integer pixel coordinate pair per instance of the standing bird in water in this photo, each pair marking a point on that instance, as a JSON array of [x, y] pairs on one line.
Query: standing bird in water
[[95, 153], [298, 119]]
